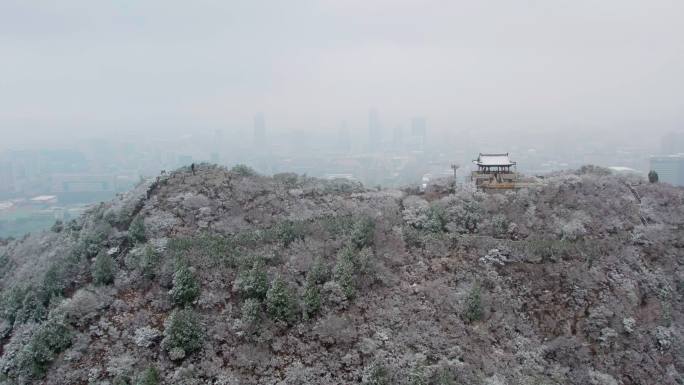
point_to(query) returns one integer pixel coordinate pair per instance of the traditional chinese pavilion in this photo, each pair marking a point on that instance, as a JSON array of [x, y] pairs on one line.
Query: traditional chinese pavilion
[[494, 171]]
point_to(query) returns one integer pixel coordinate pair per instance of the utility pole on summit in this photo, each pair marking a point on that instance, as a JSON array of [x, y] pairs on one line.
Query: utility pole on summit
[[455, 167]]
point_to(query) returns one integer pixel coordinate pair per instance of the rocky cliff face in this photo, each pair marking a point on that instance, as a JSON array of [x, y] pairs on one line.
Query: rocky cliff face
[[226, 277]]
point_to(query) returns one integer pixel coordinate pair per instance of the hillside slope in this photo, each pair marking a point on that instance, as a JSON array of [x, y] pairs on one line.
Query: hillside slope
[[226, 277]]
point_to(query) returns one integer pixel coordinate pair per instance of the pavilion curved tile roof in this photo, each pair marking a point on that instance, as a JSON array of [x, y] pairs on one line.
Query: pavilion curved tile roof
[[494, 160]]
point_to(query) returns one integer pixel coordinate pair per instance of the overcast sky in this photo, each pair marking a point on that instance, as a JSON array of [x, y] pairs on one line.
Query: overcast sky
[[87, 67]]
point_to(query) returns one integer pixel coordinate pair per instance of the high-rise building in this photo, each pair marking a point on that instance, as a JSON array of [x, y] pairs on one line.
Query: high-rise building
[[374, 135], [670, 168], [419, 126], [419, 129], [344, 138], [259, 129], [418, 135], [398, 137]]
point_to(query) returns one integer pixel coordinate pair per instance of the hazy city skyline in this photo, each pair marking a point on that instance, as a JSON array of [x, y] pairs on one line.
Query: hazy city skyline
[[81, 69]]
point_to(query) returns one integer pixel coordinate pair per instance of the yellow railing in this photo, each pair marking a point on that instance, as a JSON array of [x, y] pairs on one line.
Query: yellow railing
[[502, 181]]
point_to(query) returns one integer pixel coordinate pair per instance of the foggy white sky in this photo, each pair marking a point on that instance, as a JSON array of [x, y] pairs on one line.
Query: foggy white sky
[[93, 67]]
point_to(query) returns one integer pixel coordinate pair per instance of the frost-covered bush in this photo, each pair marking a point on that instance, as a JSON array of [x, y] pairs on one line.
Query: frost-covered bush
[[185, 289], [110, 217], [462, 214], [182, 333], [337, 226], [199, 246], [149, 376], [412, 237], [279, 301], [333, 294], [92, 239], [419, 214], [81, 307], [136, 231], [73, 226], [318, 273], [5, 328], [445, 377], [253, 282], [573, 228], [6, 264], [289, 231], [145, 336], [315, 277], [121, 367], [653, 176], [311, 300], [417, 375], [54, 282], [499, 225], [365, 264], [436, 219], [11, 302], [473, 306], [121, 380], [12, 348], [376, 374], [354, 268], [57, 227], [547, 249], [341, 185], [50, 339], [103, 269], [243, 170], [362, 232], [251, 313], [415, 211], [148, 262], [592, 169], [289, 179], [32, 308], [345, 271]]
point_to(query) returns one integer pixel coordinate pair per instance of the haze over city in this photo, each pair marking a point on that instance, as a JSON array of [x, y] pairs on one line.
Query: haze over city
[[95, 96], [80, 69]]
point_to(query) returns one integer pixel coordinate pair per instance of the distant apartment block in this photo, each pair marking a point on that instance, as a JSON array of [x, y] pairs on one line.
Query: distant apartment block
[[64, 183], [419, 131], [670, 168]]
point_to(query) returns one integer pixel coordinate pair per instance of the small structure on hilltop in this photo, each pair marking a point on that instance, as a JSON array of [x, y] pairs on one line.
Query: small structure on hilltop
[[496, 171]]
